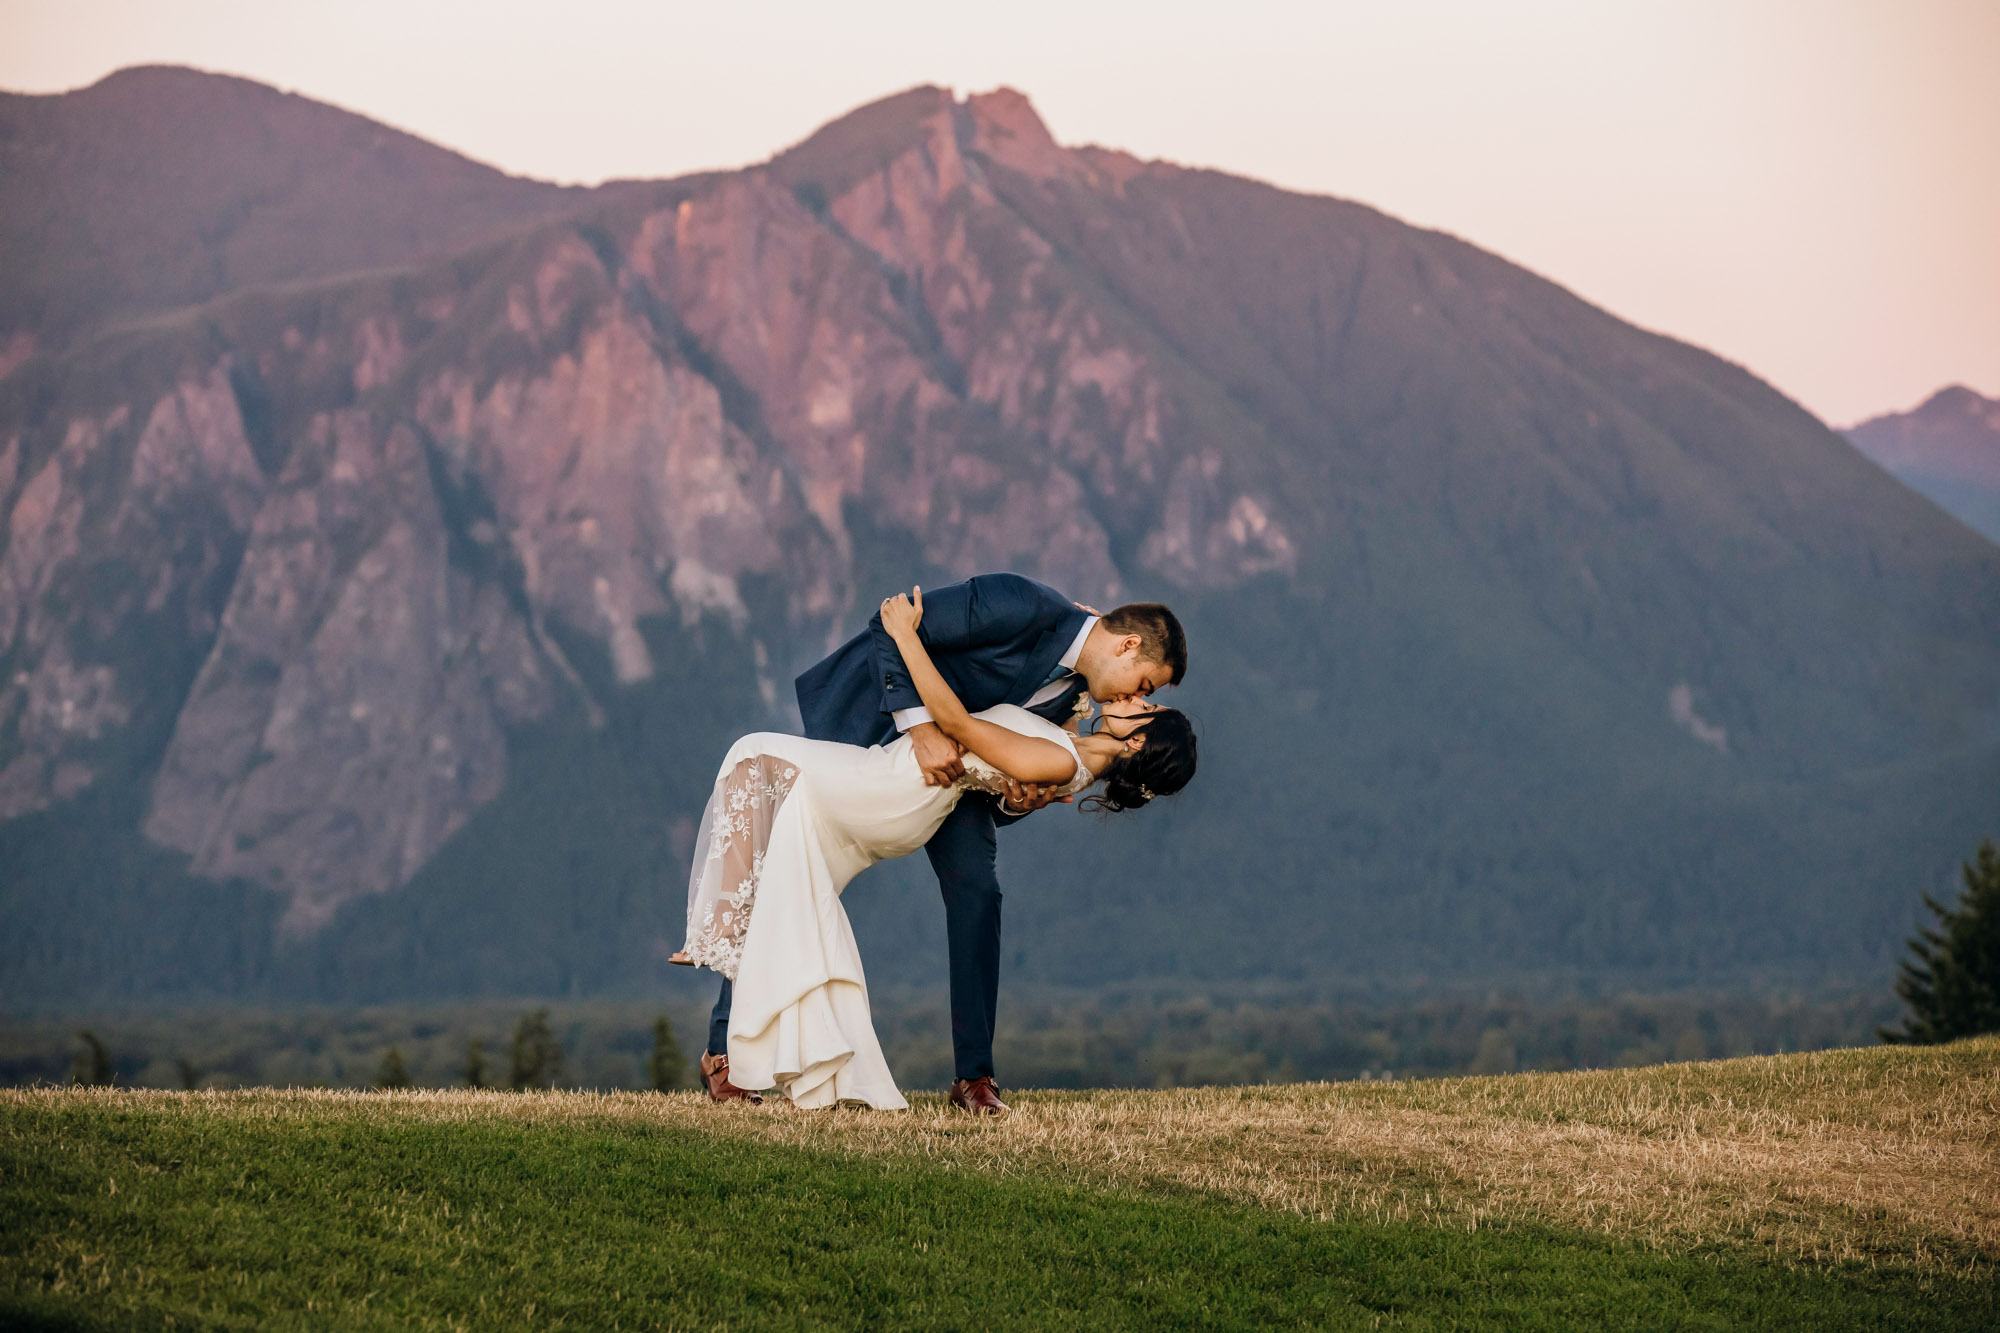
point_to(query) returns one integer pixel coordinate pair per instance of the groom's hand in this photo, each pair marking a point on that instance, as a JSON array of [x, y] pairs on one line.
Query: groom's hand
[[937, 755], [1024, 798]]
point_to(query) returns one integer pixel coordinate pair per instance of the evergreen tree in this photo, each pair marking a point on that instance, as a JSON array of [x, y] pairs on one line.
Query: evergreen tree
[[667, 1064], [536, 1060], [475, 1064], [92, 1066], [1951, 981], [393, 1073]]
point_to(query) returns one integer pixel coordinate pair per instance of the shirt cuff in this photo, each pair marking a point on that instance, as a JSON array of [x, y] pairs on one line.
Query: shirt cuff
[[910, 717]]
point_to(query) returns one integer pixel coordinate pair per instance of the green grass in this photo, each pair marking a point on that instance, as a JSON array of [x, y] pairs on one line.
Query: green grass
[[119, 1211]]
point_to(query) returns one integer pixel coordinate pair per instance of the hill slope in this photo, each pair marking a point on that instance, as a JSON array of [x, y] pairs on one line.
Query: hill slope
[[411, 607], [1681, 1196]]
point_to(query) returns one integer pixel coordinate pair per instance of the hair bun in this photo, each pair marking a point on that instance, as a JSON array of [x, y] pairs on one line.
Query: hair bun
[[1160, 767]]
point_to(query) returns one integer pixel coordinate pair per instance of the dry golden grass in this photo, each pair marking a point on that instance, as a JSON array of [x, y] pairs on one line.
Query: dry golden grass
[[1882, 1155]]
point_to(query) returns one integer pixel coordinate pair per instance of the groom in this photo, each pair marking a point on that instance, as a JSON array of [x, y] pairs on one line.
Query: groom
[[996, 638]]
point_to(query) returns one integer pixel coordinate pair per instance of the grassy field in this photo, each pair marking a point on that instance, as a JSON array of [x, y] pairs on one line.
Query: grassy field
[[1846, 1189]]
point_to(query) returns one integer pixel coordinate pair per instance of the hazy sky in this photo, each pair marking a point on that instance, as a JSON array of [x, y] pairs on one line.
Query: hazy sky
[[1809, 187]]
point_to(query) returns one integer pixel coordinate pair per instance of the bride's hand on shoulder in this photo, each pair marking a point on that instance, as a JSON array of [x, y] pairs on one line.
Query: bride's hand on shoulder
[[902, 613]]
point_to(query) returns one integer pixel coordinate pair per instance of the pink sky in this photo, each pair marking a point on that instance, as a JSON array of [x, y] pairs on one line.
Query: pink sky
[[1808, 187]]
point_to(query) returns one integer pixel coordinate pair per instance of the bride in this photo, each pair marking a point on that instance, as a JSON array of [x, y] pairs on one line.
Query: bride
[[792, 820]]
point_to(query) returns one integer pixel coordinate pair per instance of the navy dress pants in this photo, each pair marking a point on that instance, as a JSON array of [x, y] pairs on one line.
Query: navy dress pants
[[963, 852]]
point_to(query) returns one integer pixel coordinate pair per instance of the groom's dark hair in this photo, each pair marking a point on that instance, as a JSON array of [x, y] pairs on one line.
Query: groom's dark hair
[[1161, 638]]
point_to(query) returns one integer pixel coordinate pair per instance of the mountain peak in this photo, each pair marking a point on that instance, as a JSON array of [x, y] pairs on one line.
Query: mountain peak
[[1007, 129], [1001, 125], [197, 183], [1956, 400], [1948, 447], [841, 152], [1954, 410], [175, 76]]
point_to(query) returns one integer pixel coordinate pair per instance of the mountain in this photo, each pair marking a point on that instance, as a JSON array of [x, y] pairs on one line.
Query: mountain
[[1948, 448], [159, 187], [374, 634]]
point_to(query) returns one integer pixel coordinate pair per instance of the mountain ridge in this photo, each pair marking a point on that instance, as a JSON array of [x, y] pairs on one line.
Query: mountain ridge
[[277, 186]]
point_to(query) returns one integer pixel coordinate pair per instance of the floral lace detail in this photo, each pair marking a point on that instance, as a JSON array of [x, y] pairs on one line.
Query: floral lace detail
[[743, 810], [981, 776]]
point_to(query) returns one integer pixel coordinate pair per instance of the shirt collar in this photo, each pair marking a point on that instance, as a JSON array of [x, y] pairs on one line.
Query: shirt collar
[[1069, 659]]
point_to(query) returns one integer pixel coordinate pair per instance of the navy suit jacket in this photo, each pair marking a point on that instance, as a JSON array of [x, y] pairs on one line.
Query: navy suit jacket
[[994, 637]]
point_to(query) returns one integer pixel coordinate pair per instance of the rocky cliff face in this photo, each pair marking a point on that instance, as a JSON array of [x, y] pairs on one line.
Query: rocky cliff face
[[128, 528], [459, 464], [1466, 560]]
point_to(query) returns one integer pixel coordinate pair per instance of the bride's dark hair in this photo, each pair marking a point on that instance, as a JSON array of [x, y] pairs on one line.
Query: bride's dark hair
[[1160, 767]]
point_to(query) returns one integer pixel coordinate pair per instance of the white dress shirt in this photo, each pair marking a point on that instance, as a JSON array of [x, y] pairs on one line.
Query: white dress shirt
[[910, 717]]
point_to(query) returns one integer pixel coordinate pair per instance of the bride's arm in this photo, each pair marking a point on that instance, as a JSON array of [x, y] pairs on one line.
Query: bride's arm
[[1023, 758]]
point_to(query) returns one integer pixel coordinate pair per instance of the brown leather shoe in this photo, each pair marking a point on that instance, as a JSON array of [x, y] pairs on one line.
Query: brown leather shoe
[[977, 1095], [715, 1074]]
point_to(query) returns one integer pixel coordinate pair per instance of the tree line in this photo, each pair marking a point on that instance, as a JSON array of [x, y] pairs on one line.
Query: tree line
[[1160, 1035], [534, 1061]]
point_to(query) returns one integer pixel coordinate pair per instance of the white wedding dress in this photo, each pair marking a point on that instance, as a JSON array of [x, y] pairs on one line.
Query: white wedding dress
[[789, 823]]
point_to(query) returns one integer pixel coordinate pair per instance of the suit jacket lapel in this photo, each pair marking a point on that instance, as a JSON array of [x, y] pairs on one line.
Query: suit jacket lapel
[[1042, 659]]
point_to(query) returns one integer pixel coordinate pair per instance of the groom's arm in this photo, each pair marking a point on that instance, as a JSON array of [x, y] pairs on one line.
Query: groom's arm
[[984, 611]]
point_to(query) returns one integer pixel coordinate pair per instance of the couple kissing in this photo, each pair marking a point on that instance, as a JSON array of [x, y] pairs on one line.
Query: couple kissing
[[954, 713]]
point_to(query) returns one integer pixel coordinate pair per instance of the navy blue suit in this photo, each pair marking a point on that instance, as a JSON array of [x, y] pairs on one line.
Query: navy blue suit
[[995, 638]]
